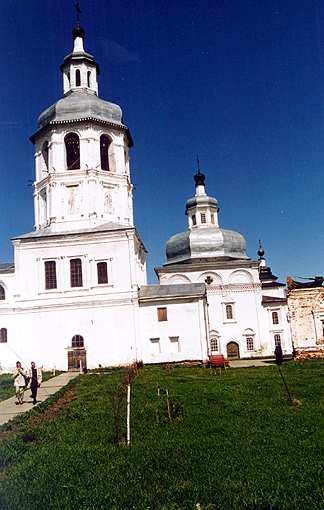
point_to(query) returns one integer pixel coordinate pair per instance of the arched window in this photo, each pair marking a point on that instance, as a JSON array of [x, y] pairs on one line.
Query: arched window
[[45, 155], [2, 293], [275, 318], [77, 78], [77, 341], [277, 339], [102, 272], [72, 148], [89, 79], [104, 151], [76, 273], [229, 311], [3, 336]]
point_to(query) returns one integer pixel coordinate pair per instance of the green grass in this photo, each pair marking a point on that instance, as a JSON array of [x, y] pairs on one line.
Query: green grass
[[6, 386], [233, 442], [7, 389]]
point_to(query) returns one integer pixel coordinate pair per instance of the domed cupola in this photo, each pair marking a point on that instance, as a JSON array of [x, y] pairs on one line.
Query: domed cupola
[[204, 238], [80, 87], [79, 68]]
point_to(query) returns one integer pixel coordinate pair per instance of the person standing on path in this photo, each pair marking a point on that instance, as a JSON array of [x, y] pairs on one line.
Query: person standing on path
[[19, 382], [35, 375], [278, 354]]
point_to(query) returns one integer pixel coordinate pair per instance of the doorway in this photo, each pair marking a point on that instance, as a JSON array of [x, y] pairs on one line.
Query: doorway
[[77, 360], [233, 350]]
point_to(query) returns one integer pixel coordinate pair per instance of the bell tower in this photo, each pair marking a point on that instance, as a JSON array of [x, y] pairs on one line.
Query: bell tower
[[81, 154]]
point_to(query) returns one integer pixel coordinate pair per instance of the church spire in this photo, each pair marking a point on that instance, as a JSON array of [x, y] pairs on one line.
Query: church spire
[[79, 68], [201, 210], [78, 38]]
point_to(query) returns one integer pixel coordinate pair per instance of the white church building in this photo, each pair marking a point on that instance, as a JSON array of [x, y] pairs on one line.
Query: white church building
[[77, 294]]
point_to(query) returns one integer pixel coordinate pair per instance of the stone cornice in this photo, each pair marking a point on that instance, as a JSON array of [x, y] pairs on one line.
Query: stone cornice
[[231, 288]]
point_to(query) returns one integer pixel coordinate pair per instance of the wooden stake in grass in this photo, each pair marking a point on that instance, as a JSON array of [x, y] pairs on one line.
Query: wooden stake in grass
[[128, 413], [168, 404], [290, 400]]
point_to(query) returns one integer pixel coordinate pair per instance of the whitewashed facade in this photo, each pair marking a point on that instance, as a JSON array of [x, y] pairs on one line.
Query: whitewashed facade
[[77, 294], [247, 308]]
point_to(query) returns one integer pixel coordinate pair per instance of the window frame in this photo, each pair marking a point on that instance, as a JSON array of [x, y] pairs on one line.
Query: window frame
[[275, 317], [102, 275], [162, 314], [249, 343], [78, 77], [156, 342], [50, 274], [229, 312], [2, 293], [76, 276], [174, 340], [214, 344], [72, 151], [77, 342], [3, 335], [105, 143], [229, 317]]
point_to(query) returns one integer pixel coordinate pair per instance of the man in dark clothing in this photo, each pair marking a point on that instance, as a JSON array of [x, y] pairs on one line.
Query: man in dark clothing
[[35, 375]]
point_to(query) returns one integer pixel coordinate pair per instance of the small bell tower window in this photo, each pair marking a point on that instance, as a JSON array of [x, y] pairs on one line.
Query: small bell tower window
[[45, 155], [2, 293], [104, 151], [89, 79], [77, 78], [72, 148]]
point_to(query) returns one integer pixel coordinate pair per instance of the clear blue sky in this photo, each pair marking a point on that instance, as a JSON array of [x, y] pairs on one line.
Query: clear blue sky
[[238, 83]]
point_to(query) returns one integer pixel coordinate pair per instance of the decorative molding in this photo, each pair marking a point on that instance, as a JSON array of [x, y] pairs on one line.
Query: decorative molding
[[228, 289]]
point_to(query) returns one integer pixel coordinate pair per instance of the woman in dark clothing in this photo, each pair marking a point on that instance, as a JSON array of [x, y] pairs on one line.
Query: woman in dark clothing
[[278, 354]]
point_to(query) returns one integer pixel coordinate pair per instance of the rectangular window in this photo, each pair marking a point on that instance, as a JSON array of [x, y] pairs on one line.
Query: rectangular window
[[203, 217], [212, 218], [277, 339], [162, 314], [193, 217], [102, 272], [174, 344], [3, 336], [76, 273], [275, 318], [50, 274], [249, 343], [155, 345]]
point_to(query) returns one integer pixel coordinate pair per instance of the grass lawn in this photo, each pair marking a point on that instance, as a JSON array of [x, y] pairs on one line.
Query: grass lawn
[[222, 440]]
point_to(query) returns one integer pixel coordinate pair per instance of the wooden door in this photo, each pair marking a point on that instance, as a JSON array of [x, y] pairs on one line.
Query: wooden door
[[233, 350], [77, 360]]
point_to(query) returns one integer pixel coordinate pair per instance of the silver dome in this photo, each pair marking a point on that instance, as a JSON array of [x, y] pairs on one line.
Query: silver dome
[[207, 242], [79, 105]]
